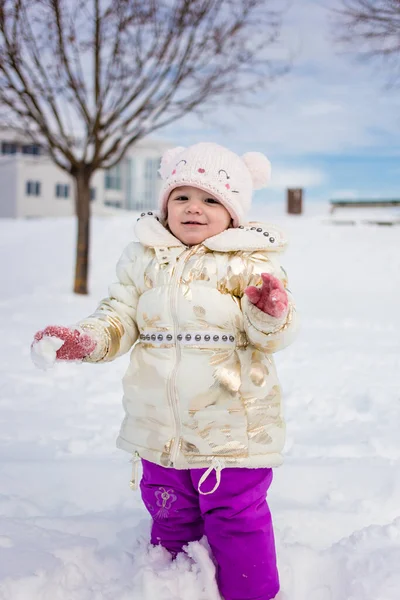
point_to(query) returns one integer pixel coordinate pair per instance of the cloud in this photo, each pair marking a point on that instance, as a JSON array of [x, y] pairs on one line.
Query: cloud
[[320, 107], [329, 126], [293, 178], [346, 194], [327, 104], [371, 194]]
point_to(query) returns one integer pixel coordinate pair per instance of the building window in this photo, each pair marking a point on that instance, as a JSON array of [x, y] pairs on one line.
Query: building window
[[113, 179], [130, 167], [150, 181], [92, 194], [62, 190], [13, 148], [33, 188], [32, 149], [113, 203], [8, 148]]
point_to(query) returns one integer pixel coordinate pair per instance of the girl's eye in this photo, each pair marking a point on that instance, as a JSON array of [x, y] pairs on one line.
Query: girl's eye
[[211, 201], [181, 198]]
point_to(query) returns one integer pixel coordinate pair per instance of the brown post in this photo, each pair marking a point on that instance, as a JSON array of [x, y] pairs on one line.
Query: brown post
[[295, 201]]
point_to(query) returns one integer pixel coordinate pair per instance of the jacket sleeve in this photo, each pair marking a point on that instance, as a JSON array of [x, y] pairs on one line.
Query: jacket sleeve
[[267, 333], [113, 324]]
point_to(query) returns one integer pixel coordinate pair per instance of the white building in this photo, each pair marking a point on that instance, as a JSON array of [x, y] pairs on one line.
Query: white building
[[32, 186]]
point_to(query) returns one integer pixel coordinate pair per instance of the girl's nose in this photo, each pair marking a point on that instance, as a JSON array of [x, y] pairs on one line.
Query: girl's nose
[[193, 207]]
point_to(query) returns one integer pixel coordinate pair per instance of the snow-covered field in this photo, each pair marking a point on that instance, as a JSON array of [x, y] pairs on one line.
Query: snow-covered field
[[71, 529]]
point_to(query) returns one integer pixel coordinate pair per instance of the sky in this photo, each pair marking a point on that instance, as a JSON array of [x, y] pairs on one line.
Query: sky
[[331, 126]]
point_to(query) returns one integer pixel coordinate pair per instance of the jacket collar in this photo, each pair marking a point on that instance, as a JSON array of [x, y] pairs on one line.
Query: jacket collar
[[251, 237], [150, 232]]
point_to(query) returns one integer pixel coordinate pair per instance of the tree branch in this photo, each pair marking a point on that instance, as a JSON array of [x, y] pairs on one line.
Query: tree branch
[[372, 29], [74, 84], [165, 59]]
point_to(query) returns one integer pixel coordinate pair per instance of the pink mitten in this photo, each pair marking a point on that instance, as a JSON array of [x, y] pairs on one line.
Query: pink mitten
[[271, 298], [76, 344]]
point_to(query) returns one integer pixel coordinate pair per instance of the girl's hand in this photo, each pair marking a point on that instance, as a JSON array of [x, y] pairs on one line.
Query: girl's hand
[[271, 298], [61, 342]]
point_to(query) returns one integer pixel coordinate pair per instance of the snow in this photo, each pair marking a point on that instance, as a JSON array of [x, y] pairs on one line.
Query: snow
[[389, 215], [44, 352], [71, 529]]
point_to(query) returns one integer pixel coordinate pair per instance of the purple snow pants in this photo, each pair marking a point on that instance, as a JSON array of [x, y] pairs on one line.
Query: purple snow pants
[[235, 518]]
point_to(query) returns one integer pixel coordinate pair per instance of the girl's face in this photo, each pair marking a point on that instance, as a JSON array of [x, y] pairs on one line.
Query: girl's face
[[194, 215]]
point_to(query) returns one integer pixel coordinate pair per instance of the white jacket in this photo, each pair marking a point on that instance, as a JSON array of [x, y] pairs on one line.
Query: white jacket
[[201, 383]]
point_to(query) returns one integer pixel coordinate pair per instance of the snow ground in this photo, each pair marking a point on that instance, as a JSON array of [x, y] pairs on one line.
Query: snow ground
[[71, 529]]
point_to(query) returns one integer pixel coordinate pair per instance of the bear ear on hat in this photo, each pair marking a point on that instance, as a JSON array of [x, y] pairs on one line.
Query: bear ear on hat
[[259, 167], [167, 161]]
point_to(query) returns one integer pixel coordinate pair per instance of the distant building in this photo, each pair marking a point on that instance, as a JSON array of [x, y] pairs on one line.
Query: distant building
[[31, 185]]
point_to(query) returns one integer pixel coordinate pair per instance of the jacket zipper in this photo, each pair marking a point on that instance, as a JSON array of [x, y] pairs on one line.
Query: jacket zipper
[[172, 391]]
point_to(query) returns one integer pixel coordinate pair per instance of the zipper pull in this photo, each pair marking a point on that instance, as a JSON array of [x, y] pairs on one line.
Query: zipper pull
[[134, 482]]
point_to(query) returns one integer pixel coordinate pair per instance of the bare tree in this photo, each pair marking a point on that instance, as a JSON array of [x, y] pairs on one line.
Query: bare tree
[[89, 78], [372, 28]]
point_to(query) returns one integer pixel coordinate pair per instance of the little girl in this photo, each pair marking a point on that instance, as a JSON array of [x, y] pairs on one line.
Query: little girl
[[202, 298]]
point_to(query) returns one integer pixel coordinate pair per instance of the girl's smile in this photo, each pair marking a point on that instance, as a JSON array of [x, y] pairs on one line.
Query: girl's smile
[[194, 215]]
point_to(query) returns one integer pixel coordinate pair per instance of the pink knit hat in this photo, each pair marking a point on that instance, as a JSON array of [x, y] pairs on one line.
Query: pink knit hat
[[228, 177]]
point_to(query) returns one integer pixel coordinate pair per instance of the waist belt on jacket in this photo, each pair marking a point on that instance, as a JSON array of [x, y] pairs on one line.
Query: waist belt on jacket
[[202, 339]]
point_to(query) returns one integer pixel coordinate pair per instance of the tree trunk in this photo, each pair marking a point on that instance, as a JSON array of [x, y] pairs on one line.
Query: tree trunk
[[82, 208]]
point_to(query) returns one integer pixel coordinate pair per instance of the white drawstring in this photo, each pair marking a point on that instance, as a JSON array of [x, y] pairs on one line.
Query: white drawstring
[[217, 466], [134, 482]]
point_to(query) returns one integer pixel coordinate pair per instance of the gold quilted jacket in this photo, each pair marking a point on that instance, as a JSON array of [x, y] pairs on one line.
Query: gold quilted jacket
[[201, 384]]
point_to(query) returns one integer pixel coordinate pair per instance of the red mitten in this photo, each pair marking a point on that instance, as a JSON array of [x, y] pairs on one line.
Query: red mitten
[[76, 344], [271, 298]]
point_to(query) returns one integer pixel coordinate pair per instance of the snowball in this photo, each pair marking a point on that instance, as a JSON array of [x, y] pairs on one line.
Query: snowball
[[43, 352]]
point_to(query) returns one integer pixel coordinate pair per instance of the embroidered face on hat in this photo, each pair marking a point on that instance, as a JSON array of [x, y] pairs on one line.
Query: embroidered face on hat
[[215, 169]]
